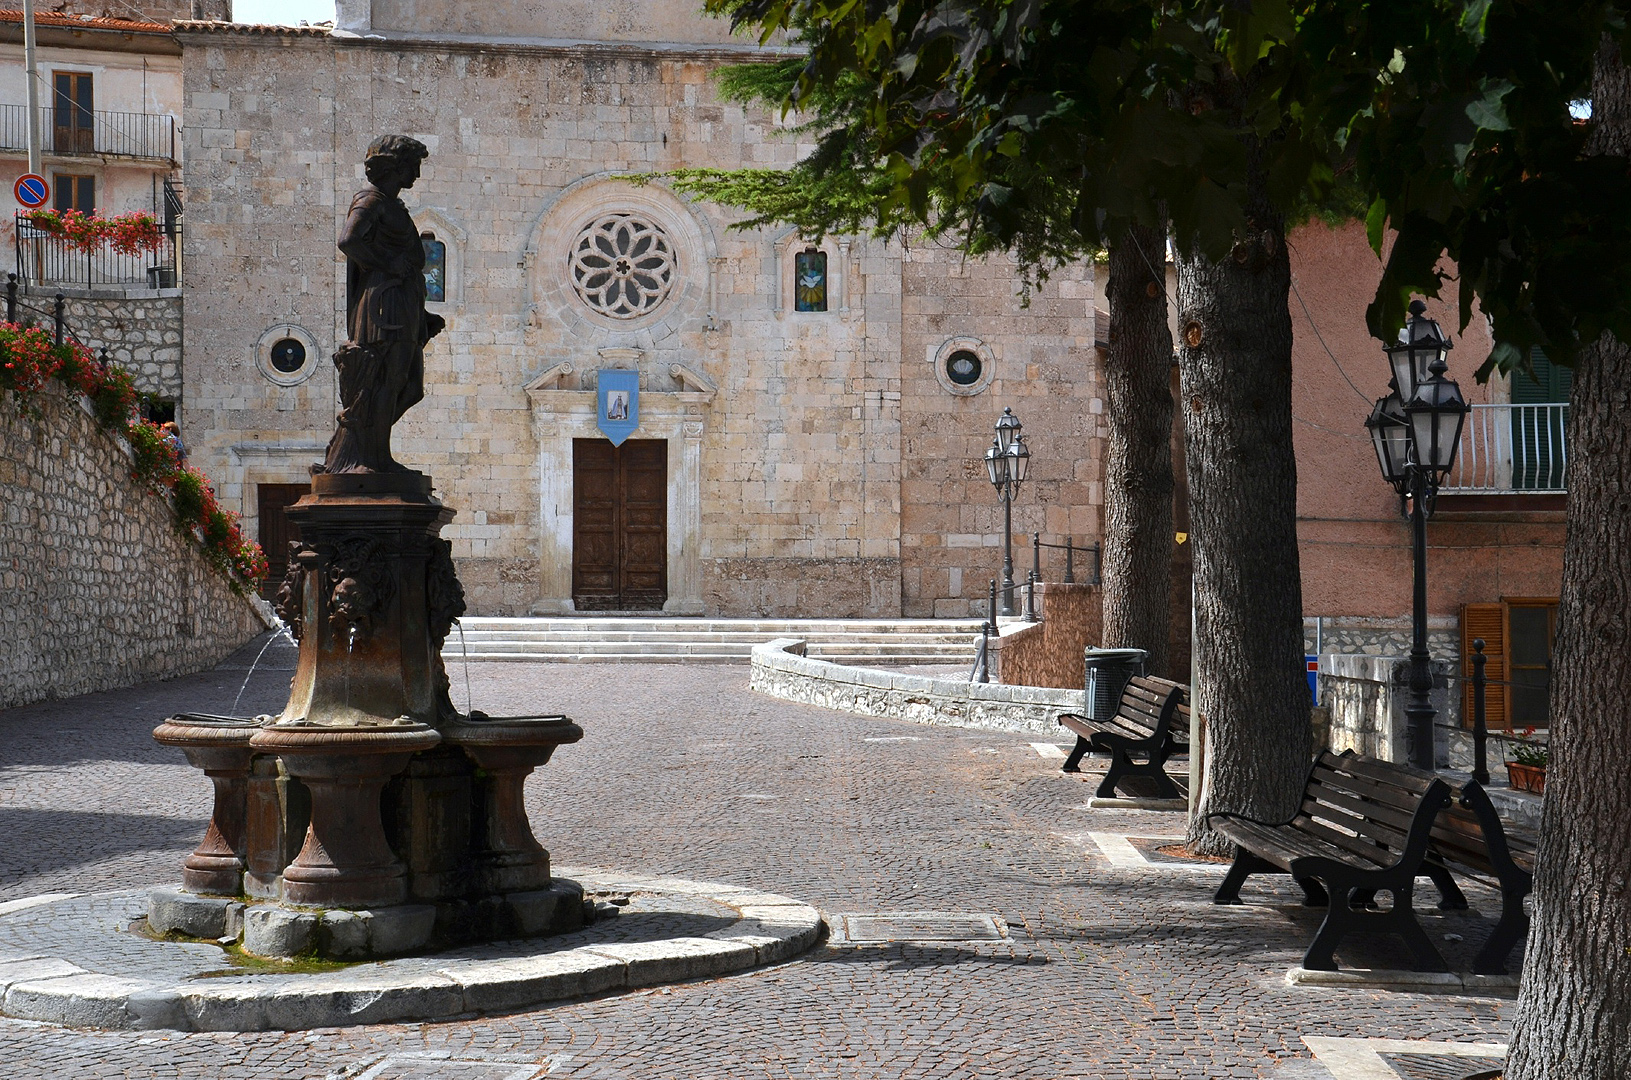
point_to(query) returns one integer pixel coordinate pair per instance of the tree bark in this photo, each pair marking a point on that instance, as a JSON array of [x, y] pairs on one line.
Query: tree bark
[[1138, 452], [1234, 358], [1574, 1011]]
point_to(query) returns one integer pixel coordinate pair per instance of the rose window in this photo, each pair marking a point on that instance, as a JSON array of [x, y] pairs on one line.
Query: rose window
[[622, 266]]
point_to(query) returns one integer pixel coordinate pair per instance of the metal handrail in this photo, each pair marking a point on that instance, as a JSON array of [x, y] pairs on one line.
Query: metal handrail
[[1507, 449], [71, 131]]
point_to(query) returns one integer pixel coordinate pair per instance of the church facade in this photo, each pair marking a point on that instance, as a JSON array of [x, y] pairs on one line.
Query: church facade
[[808, 417]]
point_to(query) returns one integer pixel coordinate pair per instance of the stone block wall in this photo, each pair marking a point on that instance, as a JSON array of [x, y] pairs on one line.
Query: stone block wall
[[832, 588], [97, 590], [1365, 697], [140, 328], [1042, 364], [1051, 655]]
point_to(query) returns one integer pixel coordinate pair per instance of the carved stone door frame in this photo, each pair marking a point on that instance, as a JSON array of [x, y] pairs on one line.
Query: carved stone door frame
[[559, 416]]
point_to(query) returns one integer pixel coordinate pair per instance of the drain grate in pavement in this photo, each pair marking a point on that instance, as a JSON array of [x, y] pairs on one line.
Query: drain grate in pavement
[[444, 1066], [922, 926], [1436, 1066]]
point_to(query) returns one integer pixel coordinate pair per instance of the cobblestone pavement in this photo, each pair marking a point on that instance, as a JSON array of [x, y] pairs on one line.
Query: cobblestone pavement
[[1108, 971]]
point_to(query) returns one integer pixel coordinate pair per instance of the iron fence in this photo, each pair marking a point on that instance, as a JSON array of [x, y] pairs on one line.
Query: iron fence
[[44, 258], [1512, 448], [70, 130]]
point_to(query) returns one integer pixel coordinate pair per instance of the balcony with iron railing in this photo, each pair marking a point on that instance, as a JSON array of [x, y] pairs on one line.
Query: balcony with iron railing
[[69, 131], [1512, 450], [46, 258]]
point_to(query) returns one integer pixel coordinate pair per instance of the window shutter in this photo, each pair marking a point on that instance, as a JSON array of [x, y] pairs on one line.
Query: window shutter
[[1487, 621]]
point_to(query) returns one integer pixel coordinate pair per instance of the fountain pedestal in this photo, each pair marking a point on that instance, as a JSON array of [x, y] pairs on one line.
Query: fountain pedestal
[[219, 745], [400, 801]]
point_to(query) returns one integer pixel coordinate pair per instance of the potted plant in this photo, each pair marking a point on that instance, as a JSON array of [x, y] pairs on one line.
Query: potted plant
[[1526, 762]]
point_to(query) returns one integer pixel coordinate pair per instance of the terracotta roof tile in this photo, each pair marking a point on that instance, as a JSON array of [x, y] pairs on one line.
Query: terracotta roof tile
[[207, 26], [87, 22]]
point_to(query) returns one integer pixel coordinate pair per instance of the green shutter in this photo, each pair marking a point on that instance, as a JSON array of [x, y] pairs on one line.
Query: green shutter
[[1537, 433]]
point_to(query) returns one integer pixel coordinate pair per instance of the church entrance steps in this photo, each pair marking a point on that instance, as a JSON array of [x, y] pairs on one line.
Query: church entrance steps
[[588, 639]]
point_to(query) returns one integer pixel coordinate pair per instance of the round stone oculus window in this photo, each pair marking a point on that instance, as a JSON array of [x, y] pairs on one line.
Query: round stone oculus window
[[963, 367], [622, 266], [288, 355]]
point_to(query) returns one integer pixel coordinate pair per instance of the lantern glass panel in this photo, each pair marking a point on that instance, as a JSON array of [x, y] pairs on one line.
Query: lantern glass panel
[[1008, 426], [996, 466], [1019, 460], [1390, 435]]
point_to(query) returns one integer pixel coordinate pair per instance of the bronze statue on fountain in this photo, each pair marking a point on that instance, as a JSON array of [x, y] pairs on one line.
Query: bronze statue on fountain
[[370, 790]]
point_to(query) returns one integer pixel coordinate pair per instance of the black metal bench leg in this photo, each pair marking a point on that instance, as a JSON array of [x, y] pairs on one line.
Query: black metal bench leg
[[1164, 787], [1427, 955], [1451, 898], [1514, 923], [1245, 865], [1073, 763], [1321, 954], [1118, 769], [1314, 894]]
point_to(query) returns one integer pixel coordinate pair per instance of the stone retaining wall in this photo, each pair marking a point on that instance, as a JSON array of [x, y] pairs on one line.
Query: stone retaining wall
[[781, 670], [1366, 696], [97, 590], [1072, 619], [140, 328]]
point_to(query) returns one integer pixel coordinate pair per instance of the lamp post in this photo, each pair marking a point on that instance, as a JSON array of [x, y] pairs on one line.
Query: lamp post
[[1416, 430], [1005, 466]]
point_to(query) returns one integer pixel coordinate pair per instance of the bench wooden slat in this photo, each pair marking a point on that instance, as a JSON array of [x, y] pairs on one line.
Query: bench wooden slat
[[1386, 773], [1326, 796]]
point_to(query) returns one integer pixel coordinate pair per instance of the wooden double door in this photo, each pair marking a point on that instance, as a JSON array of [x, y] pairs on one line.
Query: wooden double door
[[619, 525], [275, 531]]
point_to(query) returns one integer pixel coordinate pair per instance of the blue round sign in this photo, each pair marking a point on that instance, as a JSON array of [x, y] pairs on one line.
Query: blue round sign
[[31, 190]]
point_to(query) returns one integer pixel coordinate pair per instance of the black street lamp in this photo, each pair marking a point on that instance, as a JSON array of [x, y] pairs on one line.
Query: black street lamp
[[1005, 466], [1416, 430]]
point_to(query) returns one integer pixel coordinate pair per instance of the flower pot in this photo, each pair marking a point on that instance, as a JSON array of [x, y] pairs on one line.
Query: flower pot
[[1527, 777]]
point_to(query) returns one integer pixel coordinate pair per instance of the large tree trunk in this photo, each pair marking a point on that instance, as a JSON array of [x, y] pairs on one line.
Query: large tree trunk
[[1234, 358], [1138, 454], [1574, 1012]]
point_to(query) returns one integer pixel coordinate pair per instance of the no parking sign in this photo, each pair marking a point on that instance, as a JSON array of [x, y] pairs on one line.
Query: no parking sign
[[31, 190]]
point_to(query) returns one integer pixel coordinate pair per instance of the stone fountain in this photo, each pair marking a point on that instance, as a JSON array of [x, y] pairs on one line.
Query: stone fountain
[[370, 818]]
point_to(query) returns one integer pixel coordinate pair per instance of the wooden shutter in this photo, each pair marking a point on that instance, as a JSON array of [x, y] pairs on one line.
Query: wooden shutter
[[1487, 621]]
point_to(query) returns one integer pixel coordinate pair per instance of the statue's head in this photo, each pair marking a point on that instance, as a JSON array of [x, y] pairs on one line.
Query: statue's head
[[393, 160]]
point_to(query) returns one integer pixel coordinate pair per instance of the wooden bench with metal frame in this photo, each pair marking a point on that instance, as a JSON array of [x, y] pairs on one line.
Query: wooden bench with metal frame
[[1364, 826], [1150, 725]]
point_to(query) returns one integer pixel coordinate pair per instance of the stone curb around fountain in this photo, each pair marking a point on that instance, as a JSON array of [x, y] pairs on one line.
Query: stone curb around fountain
[[769, 928]]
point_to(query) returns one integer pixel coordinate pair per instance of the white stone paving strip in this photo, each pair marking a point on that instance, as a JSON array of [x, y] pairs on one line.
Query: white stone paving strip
[[34, 901], [1122, 853], [1048, 749], [772, 928], [1361, 1059]]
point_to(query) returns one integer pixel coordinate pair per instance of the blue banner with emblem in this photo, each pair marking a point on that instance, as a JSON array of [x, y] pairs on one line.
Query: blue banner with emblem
[[617, 398]]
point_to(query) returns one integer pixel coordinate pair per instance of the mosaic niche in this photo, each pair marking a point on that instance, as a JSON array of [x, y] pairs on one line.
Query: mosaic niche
[[810, 280], [622, 265]]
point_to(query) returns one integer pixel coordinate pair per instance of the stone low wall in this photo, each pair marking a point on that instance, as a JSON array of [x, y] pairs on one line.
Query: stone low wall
[[781, 670], [1365, 697], [140, 328], [1049, 652], [97, 590]]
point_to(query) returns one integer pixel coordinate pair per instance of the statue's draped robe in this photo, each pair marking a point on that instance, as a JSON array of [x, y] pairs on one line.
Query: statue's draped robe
[[385, 288], [382, 366]]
